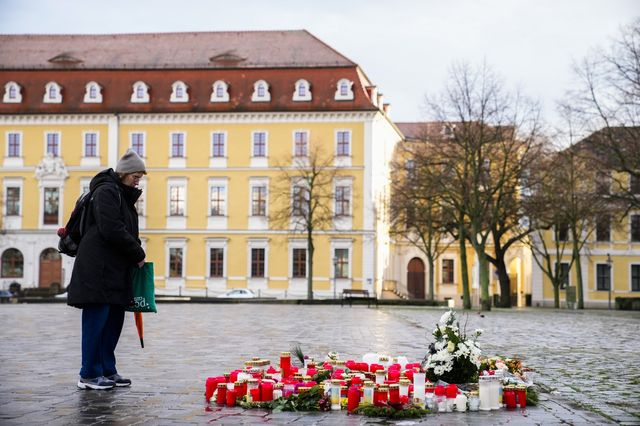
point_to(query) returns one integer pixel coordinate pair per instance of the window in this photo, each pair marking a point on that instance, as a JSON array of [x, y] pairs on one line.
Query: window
[[603, 228], [341, 263], [93, 93], [216, 262], [139, 202], [53, 144], [634, 184], [344, 91], [140, 93], [302, 91], [175, 262], [259, 200], [179, 92], [563, 274], [562, 232], [13, 201], [257, 262], [300, 201], [220, 92], [299, 263], [217, 144], [343, 200], [261, 92], [52, 93], [603, 277], [177, 200], [51, 206], [603, 183], [91, 144], [12, 263], [635, 277], [447, 271], [218, 201], [14, 144], [259, 144], [177, 145], [635, 227], [137, 143], [301, 144], [12, 93], [343, 143]]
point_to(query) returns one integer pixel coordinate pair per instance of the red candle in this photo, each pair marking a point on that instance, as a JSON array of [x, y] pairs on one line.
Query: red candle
[[394, 375], [510, 397], [231, 398], [394, 394], [285, 364], [266, 391], [380, 396], [255, 394], [451, 391], [353, 398], [522, 396], [210, 387], [221, 396]]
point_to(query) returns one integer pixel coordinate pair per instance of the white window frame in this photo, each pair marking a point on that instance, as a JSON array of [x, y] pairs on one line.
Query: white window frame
[[48, 132], [214, 92], [7, 99], [258, 222], [611, 275], [13, 161], [260, 161], [90, 161], [142, 218], [177, 222], [349, 95], [455, 273], [630, 227], [51, 183], [174, 283], [343, 222], [217, 222], [297, 243], [12, 222], [296, 92], [87, 95], [174, 92], [178, 162], [255, 97], [218, 162], [631, 265], [57, 99], [216, 284], [145, 98], [341, 283], [84, 183], [293, 138], [144, 141], [342, 160], [258, 283]]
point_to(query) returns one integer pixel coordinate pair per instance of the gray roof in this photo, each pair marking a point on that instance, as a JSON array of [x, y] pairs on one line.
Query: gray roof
[[190, 50]]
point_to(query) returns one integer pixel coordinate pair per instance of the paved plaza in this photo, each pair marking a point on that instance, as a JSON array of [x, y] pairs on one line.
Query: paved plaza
[[588, 362]]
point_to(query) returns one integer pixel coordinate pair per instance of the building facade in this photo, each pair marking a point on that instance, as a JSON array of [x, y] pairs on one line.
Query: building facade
[[217, 117]]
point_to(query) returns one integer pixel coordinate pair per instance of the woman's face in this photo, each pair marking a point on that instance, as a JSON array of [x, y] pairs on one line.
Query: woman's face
[[132, 179]]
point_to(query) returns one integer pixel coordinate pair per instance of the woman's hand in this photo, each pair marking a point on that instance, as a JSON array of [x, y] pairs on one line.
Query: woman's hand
[[141, 263]]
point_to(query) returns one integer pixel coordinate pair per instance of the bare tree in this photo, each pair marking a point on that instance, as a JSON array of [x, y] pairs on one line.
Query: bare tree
[[493, 132], [303, 198]]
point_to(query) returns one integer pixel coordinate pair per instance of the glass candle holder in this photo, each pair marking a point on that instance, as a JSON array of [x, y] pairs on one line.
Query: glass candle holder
[[474, 401], [418, 385], [367, 395], [404, 387], [334, 392]]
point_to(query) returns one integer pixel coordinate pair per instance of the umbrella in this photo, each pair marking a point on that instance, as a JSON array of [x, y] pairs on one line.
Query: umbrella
[[138, 317]]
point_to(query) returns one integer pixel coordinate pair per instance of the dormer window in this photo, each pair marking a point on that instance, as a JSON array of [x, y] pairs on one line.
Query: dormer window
[[179, 92], [93, 93], [12, 93], [344, 91], [140, 92], [220, 92], [302, 91], [52, 93], [261, 92]]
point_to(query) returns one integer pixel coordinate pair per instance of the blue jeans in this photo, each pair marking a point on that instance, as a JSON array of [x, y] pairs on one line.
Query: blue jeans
[[101, 327]]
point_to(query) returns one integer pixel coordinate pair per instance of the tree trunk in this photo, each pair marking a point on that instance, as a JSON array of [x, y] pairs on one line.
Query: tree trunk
[[431, 278], [310, 250], [576, 257], [556, 295], [466, 297], [483, 263], [505, 283]]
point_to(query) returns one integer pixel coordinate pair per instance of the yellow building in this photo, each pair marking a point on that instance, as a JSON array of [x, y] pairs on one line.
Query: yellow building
[[213, 115]]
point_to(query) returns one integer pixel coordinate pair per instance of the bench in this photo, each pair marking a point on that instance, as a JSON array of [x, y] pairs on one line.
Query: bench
[[349, 295]]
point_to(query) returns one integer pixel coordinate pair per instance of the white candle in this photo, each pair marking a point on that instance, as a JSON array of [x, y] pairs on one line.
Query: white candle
[[461, 403], [485, 393], [418, 385]]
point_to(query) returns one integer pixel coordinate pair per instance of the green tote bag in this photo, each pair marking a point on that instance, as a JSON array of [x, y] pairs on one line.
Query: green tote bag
[[144, 297]]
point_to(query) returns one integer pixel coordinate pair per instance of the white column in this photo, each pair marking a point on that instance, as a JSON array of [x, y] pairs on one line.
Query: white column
[[113, 141]]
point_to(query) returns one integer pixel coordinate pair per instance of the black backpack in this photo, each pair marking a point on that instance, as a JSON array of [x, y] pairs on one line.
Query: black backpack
[[73, 231]]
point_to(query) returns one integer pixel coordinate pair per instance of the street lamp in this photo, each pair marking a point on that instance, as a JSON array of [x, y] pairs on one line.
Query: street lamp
[[610, 264], [335, 275]]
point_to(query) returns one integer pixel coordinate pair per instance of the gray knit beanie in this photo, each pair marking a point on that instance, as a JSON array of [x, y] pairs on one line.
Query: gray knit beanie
[[130, 163]]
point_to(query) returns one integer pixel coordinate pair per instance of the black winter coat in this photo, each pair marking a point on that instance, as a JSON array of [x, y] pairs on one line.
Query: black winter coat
[[110, 247]]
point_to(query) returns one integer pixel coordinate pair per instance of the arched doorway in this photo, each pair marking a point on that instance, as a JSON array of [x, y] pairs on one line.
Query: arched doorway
[[415, 278], [50, 268]]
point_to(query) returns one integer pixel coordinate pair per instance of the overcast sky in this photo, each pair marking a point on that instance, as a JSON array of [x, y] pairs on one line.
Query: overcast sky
[[405, 47]]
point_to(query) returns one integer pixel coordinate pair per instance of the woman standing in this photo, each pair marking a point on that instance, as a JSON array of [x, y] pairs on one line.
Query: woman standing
[[101, 278]]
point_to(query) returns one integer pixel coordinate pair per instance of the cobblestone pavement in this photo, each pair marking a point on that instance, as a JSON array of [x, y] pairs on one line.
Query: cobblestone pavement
[[590, 360]]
